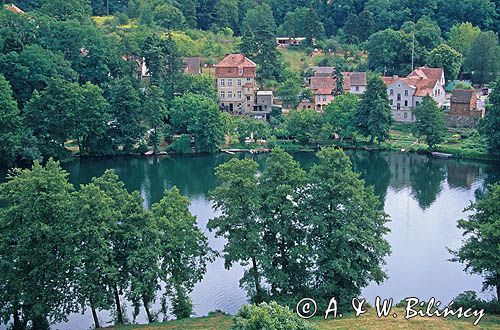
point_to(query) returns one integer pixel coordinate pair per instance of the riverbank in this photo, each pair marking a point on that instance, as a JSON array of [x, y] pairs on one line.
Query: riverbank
[[400, 140], [368, 321]]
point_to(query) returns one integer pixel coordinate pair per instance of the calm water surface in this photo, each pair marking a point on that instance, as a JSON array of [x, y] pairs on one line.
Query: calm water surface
[[423, 196]]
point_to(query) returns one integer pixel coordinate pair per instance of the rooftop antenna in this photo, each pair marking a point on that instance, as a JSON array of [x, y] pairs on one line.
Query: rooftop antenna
[[413, 46]]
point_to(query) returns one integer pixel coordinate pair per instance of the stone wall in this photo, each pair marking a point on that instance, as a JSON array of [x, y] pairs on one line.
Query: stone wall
[[457, 121]]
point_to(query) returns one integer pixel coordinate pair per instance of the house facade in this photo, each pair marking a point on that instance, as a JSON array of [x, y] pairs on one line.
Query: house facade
[[464, 103], [405, 93], [324, 90], [236, 85]]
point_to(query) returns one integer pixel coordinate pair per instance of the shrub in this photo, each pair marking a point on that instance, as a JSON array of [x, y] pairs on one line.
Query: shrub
[[182, 145], [469, 299], [269, 316]]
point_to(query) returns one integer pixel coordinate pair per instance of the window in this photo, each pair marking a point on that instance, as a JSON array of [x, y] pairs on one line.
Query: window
[[229, 95], [399, 96], [240, 71], [391, 91], [406, 103], [248, 98], [406, 92], [239, 95], [392, 102], [398, 106], [417, 103], [230, 82], [357, 88], [222, 95], [405, 115], [248, 79], [222, 82], [239, 82], [324, 98], [318, 98]]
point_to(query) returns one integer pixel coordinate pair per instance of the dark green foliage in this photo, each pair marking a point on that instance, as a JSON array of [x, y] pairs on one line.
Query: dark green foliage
[[479, 252], [31, 70], [125, 110], [10, 125], [79, 10], [155, 114], [269, 316], [447, 58], [483, 60], [305, 125], [37, 249], [374, 116], [490, 125], [324, 227], [182, 145], [429, 122], [340, 115]]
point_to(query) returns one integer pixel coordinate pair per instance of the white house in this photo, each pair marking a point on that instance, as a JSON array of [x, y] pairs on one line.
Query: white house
[[405, 93]]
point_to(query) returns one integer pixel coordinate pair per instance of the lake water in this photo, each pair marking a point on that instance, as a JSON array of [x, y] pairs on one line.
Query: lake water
[[423, 196]]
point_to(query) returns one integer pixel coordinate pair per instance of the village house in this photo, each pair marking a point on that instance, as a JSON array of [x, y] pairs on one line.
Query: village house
[[355, 82], [324, 90], [405, 93], [236, 87], [192, 65], [464, 103]]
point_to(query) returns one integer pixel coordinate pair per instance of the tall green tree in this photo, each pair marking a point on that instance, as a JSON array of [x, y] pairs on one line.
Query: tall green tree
[[169, 17], [285, 250], [462, 36], [207, 128], [429, 122], [480, 250], [259, 42], [37, 247], [51, 115], [348, 228], [305, 125], [183, 248], [340, 115], [490, 124], [96, 220], [126, 115], [447, 58], [303, 22], [155, 114], [237, 198], [483, 60], [289, 90], [92, 117], [374, 116], [10, 124]]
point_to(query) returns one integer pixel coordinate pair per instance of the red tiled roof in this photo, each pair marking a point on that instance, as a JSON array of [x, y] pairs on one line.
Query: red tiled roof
[[426, 72], [323, 85], [235, 61]]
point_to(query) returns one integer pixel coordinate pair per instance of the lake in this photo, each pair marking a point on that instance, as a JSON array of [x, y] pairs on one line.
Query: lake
[[423, 196]]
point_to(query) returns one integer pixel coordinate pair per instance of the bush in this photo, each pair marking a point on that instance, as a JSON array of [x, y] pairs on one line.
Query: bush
[[182, 145], [268, 316], [469, 299]]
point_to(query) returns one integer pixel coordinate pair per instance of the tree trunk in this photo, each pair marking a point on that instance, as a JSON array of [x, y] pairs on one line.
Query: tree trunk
[[119, 314], [148, 312], [40, 323], [259, 297], [96, 319], [17, 321], [498, 292]]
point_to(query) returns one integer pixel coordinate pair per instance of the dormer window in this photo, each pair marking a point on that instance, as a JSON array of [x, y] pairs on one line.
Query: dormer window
[[240, 71]]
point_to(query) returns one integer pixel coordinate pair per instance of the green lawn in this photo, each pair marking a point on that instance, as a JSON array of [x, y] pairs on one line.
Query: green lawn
[[368, 321]]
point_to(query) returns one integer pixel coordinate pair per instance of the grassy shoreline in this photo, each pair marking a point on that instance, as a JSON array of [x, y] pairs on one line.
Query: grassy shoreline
[[368, 321]]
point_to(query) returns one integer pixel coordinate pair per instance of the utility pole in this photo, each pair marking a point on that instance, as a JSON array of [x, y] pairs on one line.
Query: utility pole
[[107, 7]]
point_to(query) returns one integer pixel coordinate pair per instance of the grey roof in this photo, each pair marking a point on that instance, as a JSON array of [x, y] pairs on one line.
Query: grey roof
[[193, 64], [358, 78], [462, 95]]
